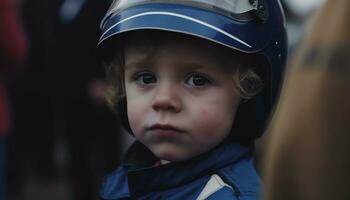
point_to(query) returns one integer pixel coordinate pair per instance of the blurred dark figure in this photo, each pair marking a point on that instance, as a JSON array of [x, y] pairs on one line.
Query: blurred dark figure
[[61, 92], [12, 55], [32, 142], [309, 147], [89, 125]]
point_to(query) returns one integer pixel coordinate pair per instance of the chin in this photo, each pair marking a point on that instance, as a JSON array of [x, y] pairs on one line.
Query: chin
[[173, 153], [171, 156]]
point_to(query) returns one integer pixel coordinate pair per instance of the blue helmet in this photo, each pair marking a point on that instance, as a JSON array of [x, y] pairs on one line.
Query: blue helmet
[[248, 26]]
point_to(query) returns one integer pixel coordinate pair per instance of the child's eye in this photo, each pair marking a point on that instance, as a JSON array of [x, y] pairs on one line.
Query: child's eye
[[145, 78], [197, 80]]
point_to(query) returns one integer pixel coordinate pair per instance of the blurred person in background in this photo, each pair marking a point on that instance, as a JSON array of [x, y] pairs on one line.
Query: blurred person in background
[[12, 55], [309, 144], [91, 129], [31, 144], [59, 95], [298, 14]]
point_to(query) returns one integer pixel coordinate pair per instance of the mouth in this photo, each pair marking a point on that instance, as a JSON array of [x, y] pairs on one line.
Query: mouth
[[165, 130]]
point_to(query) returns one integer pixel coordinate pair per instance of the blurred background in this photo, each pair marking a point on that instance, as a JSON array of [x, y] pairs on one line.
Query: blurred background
[[57, 137]]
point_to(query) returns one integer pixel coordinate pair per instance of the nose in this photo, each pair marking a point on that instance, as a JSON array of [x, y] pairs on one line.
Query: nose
[[167, 99]]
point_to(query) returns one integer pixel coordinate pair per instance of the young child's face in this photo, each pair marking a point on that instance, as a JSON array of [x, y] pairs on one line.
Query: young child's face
[[181, 99]]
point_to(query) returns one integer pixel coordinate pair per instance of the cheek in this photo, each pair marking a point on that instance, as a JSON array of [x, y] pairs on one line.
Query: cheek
[[214, 118], [135, 115], [135, 107]]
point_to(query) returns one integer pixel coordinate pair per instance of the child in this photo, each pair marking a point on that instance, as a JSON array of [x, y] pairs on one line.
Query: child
[[192, 82]]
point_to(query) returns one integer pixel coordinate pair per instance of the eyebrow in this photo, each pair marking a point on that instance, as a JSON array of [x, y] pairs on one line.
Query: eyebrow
[[146, 62], [139, 61], [195, 65], [139, 56]]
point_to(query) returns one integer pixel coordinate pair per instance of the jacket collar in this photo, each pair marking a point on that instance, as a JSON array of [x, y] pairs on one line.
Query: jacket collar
[[174, 174]]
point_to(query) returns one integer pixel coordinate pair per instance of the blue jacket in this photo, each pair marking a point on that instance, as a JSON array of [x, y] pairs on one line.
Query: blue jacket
[[226, 172]]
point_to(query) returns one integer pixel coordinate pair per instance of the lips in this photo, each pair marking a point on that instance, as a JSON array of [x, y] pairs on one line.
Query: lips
[[164, 127], [165, 130]]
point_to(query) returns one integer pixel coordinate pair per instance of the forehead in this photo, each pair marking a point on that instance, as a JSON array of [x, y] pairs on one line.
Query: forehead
[[146, 45]]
